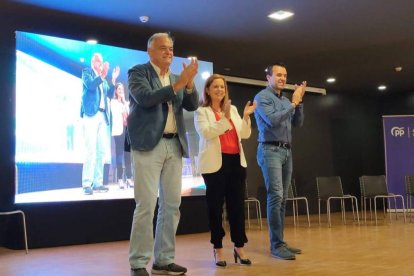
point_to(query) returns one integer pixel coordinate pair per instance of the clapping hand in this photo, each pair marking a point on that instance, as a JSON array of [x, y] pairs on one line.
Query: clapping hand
[[226, 109], [105, 68], [299, 93], [249, 109], [186, 78], [115, 74]]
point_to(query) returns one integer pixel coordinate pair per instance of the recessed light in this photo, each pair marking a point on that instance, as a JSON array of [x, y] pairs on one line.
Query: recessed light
[[330, 80], [382, 87], [398, 69], [280, 15], [144, 18], [91, 41]]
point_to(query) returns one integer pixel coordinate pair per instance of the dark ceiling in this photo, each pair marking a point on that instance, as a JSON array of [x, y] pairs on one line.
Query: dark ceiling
[[359, 42]]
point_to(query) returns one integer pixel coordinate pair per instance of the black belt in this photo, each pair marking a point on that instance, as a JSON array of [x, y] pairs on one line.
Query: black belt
[[278, 144], [169, 135], [101, 109]]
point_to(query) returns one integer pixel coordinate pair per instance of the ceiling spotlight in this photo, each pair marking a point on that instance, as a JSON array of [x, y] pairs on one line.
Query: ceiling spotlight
[[280, 15], [144, 18], [331, 80], [91, 41], [382, 87]]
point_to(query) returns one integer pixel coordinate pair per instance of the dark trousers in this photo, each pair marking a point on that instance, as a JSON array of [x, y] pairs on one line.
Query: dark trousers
[[123, 158], [227, 184]]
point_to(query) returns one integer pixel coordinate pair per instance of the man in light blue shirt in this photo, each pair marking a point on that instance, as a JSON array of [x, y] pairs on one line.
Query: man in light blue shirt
[[275, 114]]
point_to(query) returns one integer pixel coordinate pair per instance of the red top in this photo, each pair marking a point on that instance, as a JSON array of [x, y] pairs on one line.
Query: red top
[[229, 140]]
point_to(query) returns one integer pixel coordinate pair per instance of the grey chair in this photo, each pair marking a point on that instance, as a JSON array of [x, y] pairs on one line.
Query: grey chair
[[331, 188], [375, 187], [292, 196], [409, 192], [248, 200], [24, 224]]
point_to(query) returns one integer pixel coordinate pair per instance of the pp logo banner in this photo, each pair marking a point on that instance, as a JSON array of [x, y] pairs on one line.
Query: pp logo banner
[[397, 131]]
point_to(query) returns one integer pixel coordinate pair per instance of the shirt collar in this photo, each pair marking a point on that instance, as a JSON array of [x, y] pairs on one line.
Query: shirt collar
[[275, 92], [158, 70]]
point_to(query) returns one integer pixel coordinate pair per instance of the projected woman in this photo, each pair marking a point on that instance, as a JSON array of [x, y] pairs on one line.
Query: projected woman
[[120, 111]]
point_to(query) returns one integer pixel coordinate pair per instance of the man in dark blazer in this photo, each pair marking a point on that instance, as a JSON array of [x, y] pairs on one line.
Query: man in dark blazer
[[158, 143], [95, 112]]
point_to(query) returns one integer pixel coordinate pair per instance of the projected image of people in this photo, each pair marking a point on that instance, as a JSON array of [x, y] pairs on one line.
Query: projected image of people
[[82, 157], [120, 111], [95, 112]]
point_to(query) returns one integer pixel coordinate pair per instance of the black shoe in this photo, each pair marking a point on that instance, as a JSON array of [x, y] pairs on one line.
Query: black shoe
[[129, 183], [87, 191], [242, 261], [139, 272], [101, 189], [170, 269], [222, 264]]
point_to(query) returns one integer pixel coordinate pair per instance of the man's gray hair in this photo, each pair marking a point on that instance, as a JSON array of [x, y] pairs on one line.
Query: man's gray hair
[[157, 35]]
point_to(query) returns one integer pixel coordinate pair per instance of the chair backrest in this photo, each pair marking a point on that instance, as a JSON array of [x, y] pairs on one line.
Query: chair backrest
[[409, 184], [373, 185], [329, 186]]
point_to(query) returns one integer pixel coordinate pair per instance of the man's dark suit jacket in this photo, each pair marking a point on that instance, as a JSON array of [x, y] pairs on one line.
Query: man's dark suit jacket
[[149, 108], [91, 95]]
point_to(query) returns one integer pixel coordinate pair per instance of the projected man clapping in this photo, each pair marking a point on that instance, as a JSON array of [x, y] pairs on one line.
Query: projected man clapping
[[95, 112]]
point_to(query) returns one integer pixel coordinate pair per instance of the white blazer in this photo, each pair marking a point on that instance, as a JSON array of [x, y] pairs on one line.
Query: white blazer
[[209, 130]]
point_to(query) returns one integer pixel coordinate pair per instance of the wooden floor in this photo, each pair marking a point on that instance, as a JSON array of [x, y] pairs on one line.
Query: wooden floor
[[386, 249]]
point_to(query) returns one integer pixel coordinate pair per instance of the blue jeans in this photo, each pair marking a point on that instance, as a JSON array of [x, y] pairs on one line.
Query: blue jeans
[[157, 170], [276, 165]]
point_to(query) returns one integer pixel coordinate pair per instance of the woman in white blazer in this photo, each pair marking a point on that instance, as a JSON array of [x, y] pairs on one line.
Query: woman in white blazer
[[222, 164]]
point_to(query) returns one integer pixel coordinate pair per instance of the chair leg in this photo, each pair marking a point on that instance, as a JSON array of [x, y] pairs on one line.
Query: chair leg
[[328, 211], [364, 210], [370, 209], [353, 198], [343, 211], [297, 211], [319, 210], [294, 212], [402, 202], [257, 212], [307, 211], [352, 206], [25, 232], [395, 208], [260, 216]]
